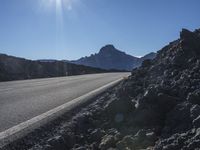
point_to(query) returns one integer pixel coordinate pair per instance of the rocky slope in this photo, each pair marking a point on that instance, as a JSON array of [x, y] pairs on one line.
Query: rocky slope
[[157, 107], [111, 58], [14, 68]]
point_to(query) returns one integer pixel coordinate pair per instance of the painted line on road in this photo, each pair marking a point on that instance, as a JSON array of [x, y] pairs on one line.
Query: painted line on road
[[20, 130]]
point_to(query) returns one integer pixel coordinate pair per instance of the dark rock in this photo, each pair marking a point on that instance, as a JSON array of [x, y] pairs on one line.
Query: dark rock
[[195, 111], [147, 63], [126, 143], [119, 108], [57, 143], [140, 141], [194, 97], [178, 120], [151, 137], [80, 148], [70, 139], [108, 141], [187, 141], [186, 34], [152, 108], [97, 134], [196, 122]]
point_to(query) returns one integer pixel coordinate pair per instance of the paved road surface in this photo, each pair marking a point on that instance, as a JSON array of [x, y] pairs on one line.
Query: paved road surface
[[23, 100]]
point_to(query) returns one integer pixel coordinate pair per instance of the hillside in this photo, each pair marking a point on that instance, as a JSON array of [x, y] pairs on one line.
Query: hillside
[[110, 58], [14, 68]]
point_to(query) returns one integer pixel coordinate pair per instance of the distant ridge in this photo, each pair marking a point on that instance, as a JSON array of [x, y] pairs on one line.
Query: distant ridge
[[15, 68], [111, 58]]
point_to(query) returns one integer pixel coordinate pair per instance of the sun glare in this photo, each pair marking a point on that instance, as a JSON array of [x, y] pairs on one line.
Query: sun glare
[[58, 4]]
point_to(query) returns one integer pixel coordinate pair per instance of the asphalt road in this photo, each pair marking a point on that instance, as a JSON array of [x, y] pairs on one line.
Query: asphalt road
[[23, 100]]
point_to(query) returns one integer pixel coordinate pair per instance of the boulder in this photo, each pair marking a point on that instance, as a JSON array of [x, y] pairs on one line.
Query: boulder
[[57, 142], [141, 140], [97, 134], [119, 108], [194, 97], [178, 120], [196, 122], [108, 141], [195, 111]]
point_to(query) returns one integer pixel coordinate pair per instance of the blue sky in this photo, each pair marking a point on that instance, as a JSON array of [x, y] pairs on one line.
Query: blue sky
[[69, 29]]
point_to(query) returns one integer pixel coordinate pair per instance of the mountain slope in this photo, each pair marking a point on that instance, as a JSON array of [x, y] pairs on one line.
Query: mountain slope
[[111, 58], [14, 68]]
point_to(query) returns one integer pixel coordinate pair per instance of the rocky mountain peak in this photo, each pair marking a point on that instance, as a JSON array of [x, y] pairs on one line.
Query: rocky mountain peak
[[190, 41], [111, 58], [185, 33], [189, 35], [108, 49]]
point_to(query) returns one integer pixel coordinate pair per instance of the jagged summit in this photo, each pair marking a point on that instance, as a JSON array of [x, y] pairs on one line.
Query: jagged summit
[[180, 51], [109, 49], [185, 34]]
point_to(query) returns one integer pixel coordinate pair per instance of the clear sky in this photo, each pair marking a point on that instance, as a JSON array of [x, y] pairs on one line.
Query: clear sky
[[69, 29]]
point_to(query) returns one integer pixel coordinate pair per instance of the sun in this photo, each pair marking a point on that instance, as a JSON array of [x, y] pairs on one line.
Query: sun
[[57, 4]]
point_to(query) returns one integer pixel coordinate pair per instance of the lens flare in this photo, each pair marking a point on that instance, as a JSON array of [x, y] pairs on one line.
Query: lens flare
[[60, 7], [65, 4]]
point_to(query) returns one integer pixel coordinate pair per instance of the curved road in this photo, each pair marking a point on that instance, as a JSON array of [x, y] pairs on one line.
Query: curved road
[[23, 100]]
